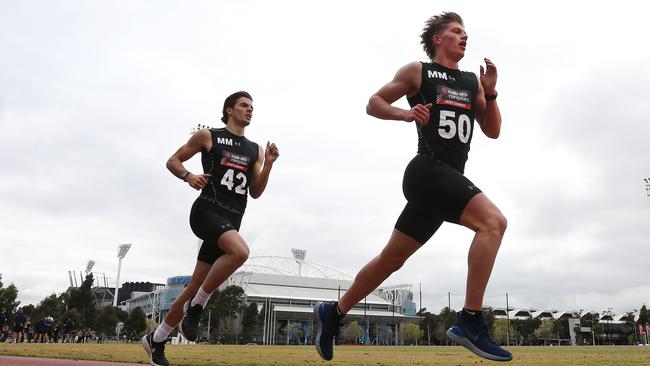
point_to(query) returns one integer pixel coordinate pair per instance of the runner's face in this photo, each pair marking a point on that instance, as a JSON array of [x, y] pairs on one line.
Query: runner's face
[[243, 111], [453, 40]]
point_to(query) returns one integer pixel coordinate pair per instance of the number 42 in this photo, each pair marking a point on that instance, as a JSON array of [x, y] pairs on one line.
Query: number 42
[[228, 180]]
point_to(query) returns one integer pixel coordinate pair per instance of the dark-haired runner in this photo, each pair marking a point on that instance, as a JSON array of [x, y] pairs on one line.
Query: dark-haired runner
[[233, 166]]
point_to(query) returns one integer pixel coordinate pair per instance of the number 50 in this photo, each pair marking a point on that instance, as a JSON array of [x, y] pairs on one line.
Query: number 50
[[464, 126]]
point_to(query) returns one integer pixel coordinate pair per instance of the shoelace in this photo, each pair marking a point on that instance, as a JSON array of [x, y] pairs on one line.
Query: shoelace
[[482, 330], [338, 328], [194, 310]]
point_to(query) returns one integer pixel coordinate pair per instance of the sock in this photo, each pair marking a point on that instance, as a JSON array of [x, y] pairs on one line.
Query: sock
[[472, 316], [201, 298], [339, 313], [162, 332]]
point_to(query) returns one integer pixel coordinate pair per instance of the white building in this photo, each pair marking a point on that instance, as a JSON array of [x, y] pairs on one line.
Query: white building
[[286, 290]]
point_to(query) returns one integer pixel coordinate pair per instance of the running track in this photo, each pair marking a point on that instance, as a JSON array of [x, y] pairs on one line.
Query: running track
[[32, 361]]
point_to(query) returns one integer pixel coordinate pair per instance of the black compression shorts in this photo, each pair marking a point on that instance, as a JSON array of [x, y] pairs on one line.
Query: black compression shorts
[[209, 222], [435, 193]]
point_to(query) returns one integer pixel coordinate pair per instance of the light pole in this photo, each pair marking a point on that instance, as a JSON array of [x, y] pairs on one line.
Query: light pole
[[508, 321], [121, 253], [89, 266], [299, 255]]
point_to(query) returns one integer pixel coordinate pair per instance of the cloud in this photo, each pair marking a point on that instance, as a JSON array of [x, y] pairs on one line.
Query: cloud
[[95, 98]]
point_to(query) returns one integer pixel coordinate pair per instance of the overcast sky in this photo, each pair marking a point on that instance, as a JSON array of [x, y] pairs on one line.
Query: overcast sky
[[96, 95]]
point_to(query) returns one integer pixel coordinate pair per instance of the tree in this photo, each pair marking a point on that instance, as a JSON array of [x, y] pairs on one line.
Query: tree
[[28, 310], [73, 315], [83, 300], [136, 323], [428, 324], [561, 328], [249, 322], [500, 331], [52, 305], [106, 320], [545, 329], [121, 314], [411, 333], [644, 315], [526, 328], [151, 325], [353, 332], [223, 305], [447, 318], [8, 299]]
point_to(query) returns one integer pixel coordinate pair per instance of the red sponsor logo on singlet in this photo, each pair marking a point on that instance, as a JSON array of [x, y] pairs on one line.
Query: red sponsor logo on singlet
[[236, 161], [453, 97]]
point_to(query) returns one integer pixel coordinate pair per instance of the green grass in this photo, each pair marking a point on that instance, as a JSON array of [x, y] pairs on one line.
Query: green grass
[[344, 355]]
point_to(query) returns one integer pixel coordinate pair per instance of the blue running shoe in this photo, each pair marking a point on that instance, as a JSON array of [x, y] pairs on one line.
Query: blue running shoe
[[476, 338], [328, 328]]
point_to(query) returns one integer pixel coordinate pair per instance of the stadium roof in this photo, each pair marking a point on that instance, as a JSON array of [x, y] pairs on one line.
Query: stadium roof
[[295, 287]]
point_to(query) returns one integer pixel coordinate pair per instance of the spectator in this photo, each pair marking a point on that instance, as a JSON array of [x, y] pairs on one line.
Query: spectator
[[29, 329], [89, 335], [49, 323], [41, 330], [67, 331], [19, 327], [56, 329], [4, 326], [80, 336]]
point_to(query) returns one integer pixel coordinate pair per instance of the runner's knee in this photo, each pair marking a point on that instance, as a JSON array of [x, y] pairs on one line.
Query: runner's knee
[[494, 223], [240, 255]]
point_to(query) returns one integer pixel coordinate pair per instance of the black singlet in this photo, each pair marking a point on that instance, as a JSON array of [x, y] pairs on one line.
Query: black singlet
[[230, 163], [449, 132]]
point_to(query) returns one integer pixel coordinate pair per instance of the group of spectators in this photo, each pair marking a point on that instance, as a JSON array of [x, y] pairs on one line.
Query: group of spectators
[[45, 330]]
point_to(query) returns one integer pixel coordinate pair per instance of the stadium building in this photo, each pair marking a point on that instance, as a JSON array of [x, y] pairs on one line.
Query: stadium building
[[286, 290]]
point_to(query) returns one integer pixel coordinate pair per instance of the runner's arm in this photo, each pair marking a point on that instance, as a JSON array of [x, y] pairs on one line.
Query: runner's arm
[[261, 173], [406, 82], [199, 141], [487, 111]]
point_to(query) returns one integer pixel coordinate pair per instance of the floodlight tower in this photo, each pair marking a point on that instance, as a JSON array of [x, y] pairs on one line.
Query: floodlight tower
[[299, 255], [121, 253], [89, 266], [199, 127]]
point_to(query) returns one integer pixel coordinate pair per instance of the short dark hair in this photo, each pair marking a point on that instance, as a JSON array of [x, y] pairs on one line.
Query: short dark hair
[[231, 101], [435, 25]]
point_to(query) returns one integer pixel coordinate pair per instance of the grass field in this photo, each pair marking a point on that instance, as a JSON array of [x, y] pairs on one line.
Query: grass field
[[344, 355]]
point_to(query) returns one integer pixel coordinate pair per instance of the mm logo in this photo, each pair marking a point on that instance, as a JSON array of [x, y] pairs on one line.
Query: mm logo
[[437, 75], [224, 141]]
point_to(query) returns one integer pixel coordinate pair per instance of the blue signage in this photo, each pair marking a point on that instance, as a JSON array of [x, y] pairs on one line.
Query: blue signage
[[178, 280]]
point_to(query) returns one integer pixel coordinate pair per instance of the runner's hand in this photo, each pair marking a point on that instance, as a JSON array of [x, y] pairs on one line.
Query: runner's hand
[[271, 153], [489, 77], [419, 114], [197, 181]]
